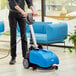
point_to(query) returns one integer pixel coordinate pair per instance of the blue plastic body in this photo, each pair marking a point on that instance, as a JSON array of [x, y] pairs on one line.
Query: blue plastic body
[[43, 58]]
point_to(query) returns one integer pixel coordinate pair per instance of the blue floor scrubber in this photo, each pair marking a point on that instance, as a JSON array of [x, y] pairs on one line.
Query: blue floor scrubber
[[37, 56]]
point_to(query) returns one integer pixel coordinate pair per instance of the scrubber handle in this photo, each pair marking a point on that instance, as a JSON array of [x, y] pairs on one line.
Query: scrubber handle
[[33, 36]]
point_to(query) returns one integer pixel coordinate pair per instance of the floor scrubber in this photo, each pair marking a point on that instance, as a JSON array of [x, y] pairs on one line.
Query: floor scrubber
[[37, 56]]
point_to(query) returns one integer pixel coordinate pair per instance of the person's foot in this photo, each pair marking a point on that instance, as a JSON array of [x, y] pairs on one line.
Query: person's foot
[[13, 61]]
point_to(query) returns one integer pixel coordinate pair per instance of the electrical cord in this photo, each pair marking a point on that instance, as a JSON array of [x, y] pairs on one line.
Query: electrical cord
[[9, 51], [5, 56]]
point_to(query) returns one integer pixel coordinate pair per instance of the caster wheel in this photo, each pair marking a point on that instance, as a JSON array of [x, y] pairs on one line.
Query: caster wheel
[[56, 67], [26, 63]]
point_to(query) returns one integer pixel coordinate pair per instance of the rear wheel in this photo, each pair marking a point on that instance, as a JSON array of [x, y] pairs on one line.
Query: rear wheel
[[26, 63]]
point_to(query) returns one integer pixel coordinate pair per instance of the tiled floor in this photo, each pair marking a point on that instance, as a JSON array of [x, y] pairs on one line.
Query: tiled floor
[[67, 66]]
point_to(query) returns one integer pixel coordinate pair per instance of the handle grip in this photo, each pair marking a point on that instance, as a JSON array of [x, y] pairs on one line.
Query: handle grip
[[29, 19]]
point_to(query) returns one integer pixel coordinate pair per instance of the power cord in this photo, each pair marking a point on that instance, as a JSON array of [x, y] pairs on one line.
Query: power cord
[[9, 51]]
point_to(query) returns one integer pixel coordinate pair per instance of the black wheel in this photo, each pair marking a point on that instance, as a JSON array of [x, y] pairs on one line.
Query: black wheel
[[26, 63], [56, 67]]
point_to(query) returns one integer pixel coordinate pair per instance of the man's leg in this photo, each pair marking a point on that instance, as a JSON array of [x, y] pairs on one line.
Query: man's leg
[[22, 26], [12, 23]]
